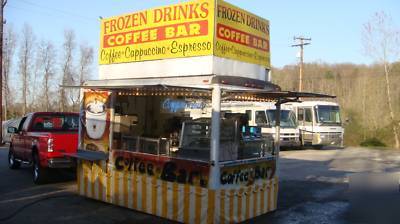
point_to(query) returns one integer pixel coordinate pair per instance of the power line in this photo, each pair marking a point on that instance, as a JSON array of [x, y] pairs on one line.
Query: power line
[[53, 10], [58, 10], [45, 14], [302, 41]]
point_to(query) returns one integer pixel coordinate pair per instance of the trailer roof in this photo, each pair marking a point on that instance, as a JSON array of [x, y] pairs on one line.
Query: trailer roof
[[200, 81]]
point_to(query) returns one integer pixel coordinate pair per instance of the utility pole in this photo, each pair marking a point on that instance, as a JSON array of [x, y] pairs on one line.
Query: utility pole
[[3, 4], [302, 41]]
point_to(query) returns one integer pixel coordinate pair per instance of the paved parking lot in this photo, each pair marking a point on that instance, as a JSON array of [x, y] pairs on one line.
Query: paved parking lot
[[314, 188]]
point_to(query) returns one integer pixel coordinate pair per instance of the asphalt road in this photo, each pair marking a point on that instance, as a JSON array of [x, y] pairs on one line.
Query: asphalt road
[[316, 186]]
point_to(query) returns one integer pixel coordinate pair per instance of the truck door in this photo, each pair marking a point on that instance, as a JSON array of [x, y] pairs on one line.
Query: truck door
[[18, 140], [27, 139]]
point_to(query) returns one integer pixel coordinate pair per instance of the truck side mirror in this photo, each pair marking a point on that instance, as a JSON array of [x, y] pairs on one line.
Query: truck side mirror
[[12, 130]]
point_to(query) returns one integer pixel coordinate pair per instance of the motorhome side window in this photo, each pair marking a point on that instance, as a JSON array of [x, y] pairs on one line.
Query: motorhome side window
[[308, 115], [261, 119], [300, 114]]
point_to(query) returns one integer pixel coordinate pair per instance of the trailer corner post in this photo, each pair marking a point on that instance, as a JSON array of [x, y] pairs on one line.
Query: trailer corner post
[[113, 98], [215, 137], [81, 114]]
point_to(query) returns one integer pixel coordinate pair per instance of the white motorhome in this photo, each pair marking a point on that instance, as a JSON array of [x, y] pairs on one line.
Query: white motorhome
[[263, 114], [319, 123], [6, 124]]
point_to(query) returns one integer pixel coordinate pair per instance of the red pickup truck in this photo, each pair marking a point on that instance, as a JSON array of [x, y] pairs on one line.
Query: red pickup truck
[[42, 139]]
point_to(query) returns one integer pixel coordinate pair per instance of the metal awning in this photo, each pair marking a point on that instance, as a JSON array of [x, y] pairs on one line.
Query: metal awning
[[233, 88], [199, 82]]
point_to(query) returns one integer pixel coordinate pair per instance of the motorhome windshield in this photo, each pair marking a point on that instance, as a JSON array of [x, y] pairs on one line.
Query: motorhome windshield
[[329, 115], [288, 119]]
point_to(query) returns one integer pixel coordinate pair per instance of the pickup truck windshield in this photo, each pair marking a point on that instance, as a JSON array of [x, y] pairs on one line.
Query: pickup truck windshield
[[328, 114], [50, 123], [288, 119]]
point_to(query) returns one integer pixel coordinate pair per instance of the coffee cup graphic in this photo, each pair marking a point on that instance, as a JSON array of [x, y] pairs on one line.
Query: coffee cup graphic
[[95, 119]]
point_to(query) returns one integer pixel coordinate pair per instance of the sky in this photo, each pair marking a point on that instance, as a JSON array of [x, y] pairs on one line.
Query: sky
[[334, 26]]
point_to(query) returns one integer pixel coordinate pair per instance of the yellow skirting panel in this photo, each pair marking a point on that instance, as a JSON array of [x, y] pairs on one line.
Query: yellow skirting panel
[[183, 203]]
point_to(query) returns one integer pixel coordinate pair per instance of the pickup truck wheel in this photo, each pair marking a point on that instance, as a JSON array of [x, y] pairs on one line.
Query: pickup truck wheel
[[12, 162], [39, 173]]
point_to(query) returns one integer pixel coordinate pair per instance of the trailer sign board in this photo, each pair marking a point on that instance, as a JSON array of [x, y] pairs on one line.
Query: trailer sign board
[[241, 35], [180, 30], [188, 29]]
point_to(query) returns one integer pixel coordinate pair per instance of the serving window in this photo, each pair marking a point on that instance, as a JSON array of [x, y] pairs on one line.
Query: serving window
[[153, 123], [171, 125]]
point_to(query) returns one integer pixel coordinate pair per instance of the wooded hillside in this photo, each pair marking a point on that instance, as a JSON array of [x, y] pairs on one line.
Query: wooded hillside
[[360, 91]]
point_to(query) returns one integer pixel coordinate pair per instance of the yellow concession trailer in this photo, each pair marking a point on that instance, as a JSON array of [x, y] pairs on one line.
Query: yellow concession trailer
[[140, 149]]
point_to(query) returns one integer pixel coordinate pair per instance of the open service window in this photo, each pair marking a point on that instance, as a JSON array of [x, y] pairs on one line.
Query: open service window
[[178, 125], [160, 124]]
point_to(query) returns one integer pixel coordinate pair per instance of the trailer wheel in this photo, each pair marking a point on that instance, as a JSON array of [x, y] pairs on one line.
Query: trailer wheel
[[40, 174], [12, 162]]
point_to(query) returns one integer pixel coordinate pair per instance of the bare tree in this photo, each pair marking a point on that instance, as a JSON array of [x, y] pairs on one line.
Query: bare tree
[[67, 67], [381, 41], [34, 83], [85, 63], [25, 62], [8, 55], [45, 60]]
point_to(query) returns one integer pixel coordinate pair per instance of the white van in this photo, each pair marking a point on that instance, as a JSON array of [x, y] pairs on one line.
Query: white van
[[319, 123], [263, 114]]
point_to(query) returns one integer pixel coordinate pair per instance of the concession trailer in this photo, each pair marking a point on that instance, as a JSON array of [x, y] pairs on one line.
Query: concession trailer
[[139, 146]]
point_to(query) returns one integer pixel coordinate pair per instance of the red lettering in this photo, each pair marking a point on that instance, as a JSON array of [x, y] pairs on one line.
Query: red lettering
[[167, 14], [193, 13], [204, 9], [181, 12], [112, 28], [125, 22], [106, 25], [158, 15], [120, 23]]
